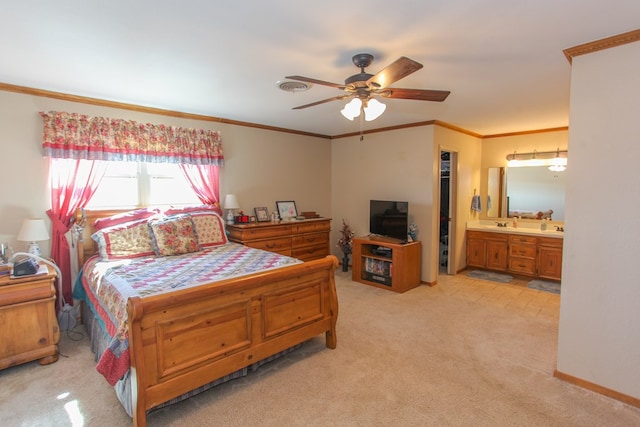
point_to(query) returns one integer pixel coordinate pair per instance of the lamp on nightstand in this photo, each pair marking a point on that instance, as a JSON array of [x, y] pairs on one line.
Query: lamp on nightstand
[[230, 203], [33, 230]]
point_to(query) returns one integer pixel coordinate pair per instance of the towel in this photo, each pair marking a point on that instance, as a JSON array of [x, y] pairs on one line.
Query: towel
[[476, 204]]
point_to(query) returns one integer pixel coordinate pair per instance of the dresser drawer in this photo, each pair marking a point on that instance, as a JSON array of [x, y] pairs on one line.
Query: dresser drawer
[[309, 240], [522, 265], [256, 233], [280, 245], [310, 227], [310, 252]]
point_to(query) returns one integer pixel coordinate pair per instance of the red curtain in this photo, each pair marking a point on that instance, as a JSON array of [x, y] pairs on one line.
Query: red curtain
[[204, 181], [73, 183]]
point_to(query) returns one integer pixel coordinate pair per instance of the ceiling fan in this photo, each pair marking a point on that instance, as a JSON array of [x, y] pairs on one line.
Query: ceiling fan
[[362, 87]]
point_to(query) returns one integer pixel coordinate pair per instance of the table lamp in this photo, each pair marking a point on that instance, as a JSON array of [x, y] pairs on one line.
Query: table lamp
[[32, 231], [231, 203]]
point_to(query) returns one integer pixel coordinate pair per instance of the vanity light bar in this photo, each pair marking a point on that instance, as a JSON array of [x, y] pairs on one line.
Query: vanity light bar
[[543, 158]]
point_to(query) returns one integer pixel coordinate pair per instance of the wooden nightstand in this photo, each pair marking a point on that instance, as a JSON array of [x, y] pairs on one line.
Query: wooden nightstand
[[28, 325]]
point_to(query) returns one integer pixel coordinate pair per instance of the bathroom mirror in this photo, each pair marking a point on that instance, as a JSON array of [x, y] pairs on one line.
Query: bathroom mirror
[[525, 192]]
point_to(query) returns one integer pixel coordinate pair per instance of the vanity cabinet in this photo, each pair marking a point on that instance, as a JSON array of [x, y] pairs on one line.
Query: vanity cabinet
[[487, 250], [520, 254], [550, 258]]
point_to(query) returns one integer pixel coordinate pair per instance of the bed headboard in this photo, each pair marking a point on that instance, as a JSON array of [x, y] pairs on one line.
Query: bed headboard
[[84, 220]]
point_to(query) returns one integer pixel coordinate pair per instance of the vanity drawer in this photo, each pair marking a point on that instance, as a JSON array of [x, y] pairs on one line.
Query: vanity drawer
[[522, 265], [526, 240], [525, 251]]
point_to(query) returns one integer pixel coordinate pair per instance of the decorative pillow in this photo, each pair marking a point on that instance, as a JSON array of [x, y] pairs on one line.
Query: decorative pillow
[[128, 240], [125, 217], [178, 210], [209, 228], [174, 235]]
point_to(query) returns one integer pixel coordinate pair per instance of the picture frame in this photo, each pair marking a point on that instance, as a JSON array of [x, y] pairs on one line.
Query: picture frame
[[262, 214], [287, 209]]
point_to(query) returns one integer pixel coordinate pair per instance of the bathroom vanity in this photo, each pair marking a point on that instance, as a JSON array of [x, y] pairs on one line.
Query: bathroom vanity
[[523, 251]]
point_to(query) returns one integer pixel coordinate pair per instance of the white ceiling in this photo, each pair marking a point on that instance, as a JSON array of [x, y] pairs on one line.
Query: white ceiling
[[502, 60]]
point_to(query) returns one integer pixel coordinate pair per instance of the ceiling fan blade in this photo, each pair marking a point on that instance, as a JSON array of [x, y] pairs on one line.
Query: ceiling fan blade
[[315, 81], [335, 98], [417, 94], [401, 68]]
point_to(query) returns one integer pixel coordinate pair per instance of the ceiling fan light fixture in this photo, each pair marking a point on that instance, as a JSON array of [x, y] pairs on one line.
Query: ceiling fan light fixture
[[352, 109], [373, 109]]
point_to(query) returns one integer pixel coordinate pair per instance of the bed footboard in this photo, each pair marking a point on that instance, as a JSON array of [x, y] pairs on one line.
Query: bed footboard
[[182, 340]]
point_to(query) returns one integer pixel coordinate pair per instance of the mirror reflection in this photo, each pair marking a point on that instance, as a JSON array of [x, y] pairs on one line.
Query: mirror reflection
[[533, 192]]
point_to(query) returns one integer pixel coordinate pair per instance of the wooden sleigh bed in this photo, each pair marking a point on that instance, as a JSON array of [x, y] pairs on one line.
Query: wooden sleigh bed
[[189, 337]]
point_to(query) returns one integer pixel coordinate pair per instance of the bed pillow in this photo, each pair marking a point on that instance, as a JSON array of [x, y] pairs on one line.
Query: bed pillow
[[209, 228], [125, 217], [128, 240], [173, 235], [179, 210]]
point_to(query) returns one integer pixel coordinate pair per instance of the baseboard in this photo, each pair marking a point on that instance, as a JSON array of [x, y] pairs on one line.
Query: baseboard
[[633, 401]]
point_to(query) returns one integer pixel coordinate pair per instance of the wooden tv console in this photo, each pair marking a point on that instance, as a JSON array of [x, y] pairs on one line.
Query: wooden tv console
[[386, 263]]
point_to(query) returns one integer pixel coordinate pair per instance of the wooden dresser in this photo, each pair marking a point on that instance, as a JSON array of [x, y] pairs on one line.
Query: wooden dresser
[[28, 325], [303, 239]]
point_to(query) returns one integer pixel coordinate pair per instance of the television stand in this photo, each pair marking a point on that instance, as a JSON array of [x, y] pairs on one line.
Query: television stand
[[385, 239], [397, 269]]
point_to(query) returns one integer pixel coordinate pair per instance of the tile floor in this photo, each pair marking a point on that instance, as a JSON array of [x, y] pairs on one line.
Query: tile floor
[[514, 295]]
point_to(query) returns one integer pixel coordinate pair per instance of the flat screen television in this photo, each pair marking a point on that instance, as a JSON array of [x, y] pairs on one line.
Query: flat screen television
[[389, 219]]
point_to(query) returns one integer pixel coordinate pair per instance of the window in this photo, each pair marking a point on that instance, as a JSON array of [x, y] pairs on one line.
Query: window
[[130, 185]]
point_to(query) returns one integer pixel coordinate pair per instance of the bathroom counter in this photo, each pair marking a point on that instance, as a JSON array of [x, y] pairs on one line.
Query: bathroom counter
[[529, 229]]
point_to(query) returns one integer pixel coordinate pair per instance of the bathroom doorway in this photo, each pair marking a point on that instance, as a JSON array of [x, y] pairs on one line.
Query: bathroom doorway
[[448, 168]]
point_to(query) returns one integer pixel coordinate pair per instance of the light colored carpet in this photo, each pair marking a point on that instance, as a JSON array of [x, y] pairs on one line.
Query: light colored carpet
[[464, 352]]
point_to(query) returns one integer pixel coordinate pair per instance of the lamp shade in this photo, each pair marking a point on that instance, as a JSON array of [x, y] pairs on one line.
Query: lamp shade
[[33, 230], [231, 202], [373, 110], [352, 109]]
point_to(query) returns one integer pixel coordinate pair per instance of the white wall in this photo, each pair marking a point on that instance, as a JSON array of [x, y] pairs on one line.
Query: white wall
[[404, 165], [600, 310], [261, 166], [393, 165]]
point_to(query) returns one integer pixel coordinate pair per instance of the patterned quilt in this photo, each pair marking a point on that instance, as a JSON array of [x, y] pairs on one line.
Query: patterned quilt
[[107, 285]]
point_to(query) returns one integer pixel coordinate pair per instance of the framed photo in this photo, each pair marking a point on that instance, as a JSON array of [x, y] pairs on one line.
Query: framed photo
[[287, 210], [262, 214]]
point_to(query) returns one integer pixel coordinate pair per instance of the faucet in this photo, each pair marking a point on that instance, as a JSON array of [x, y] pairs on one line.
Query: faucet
[[558, 228], [501, 224]]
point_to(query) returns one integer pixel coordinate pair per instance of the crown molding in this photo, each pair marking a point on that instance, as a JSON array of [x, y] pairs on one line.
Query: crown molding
[[602, 44]]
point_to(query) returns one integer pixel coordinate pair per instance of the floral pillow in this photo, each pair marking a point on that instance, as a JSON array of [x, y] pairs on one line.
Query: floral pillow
[[174, 235], [128, 240], [209, 228]]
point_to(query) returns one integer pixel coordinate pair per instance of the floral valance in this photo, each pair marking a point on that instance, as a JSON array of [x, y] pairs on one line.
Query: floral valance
[[77, 136]]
